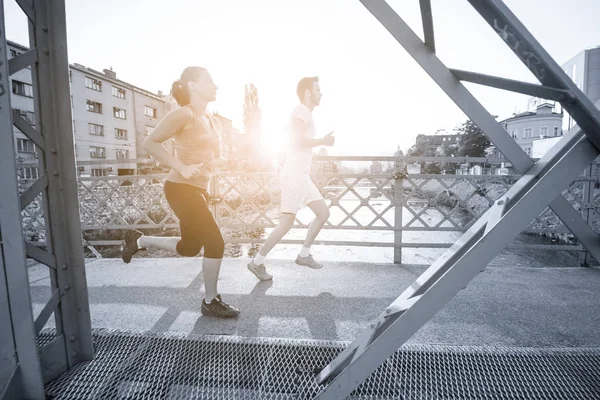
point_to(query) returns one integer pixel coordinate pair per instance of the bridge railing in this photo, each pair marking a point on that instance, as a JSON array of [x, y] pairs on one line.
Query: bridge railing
[[382, 205]]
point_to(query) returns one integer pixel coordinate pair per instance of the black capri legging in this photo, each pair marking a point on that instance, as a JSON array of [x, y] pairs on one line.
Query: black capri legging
[[196, 222]]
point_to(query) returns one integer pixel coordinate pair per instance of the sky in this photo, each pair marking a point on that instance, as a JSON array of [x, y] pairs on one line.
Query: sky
[[375, 96]]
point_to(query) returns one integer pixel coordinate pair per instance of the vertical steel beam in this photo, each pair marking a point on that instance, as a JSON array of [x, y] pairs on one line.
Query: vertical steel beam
[[587, 200], [16, 299], [53, 110], [427, 18]]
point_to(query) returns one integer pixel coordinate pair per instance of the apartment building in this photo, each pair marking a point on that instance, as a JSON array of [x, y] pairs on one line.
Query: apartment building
[[529, 126], [111, 118]]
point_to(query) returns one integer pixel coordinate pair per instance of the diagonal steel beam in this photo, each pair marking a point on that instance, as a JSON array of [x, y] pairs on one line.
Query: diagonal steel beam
[[523, 202], [544, 92], [480, 116], [28, 130], [27, 9], [18, 63], [33, 191], [539, 62], [456, 268]]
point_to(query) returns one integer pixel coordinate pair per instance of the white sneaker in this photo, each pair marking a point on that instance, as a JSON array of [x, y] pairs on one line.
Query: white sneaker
[[308, 261], [259, 271]]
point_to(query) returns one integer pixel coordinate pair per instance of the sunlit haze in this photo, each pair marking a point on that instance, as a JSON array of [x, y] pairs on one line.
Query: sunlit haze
[[375, 96]]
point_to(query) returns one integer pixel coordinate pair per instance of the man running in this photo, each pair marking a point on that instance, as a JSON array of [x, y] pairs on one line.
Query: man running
[[296, 186]]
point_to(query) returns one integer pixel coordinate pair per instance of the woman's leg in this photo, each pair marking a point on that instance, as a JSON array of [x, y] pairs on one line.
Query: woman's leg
[[168, 243], [135, 240], [208, 232]]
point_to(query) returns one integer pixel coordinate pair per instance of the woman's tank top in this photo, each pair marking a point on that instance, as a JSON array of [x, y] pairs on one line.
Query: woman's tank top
[[197, 143]]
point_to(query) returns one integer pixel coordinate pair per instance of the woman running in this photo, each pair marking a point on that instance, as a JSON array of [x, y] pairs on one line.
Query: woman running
[[197, 152]]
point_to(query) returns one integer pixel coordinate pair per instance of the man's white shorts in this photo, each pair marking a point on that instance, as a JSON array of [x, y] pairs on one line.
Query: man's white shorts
[[296, 192]]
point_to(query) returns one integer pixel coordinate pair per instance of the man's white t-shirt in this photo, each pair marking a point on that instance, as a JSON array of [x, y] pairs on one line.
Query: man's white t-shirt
[[298, 161]]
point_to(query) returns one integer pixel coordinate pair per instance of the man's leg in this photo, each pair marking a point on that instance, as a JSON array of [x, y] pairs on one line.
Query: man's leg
[[285, 224], [257, 266], [321, 216]]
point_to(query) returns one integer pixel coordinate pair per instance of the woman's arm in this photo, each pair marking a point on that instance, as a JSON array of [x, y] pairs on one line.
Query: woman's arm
[[166, 129]]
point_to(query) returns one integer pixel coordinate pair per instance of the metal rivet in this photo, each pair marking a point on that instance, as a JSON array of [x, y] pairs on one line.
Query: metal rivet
[[44, 28], [64, 266], [67, 287], [55, 173], [72, 338], [46, 51], [500, 202], [73, 353], [53, 151]]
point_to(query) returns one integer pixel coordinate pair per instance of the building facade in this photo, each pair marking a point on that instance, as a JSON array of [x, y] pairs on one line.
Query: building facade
[[529, 126], [103, 122], [111, 118], [435, 144], [584, 70], [149, 109]]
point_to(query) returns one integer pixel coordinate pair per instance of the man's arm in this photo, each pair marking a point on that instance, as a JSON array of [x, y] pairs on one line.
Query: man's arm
[[300, 139]]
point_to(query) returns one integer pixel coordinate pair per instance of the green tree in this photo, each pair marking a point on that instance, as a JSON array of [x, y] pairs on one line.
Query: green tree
[[473, 141]]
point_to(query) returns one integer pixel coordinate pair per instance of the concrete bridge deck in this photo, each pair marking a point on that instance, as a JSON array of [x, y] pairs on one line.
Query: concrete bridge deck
[[506, 305]]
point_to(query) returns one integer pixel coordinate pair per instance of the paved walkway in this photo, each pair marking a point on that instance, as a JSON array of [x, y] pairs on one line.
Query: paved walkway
[[511, 306]]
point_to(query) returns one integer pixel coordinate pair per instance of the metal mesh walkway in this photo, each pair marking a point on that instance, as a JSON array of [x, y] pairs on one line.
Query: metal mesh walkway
[[166, 366]]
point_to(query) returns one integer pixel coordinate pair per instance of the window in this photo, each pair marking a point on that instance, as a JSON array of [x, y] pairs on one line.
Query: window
[[556, 131], [121, 154], [96, 172], [28, 173], [544, 131], [514, 134], [95, 129], [22, 88], [149, 111], [97, 152], [119, 113], [94, 106], [25, 146], [149, 130], [28, 116], [118, 92], [120, 133], [527, 133], [93, 84]]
